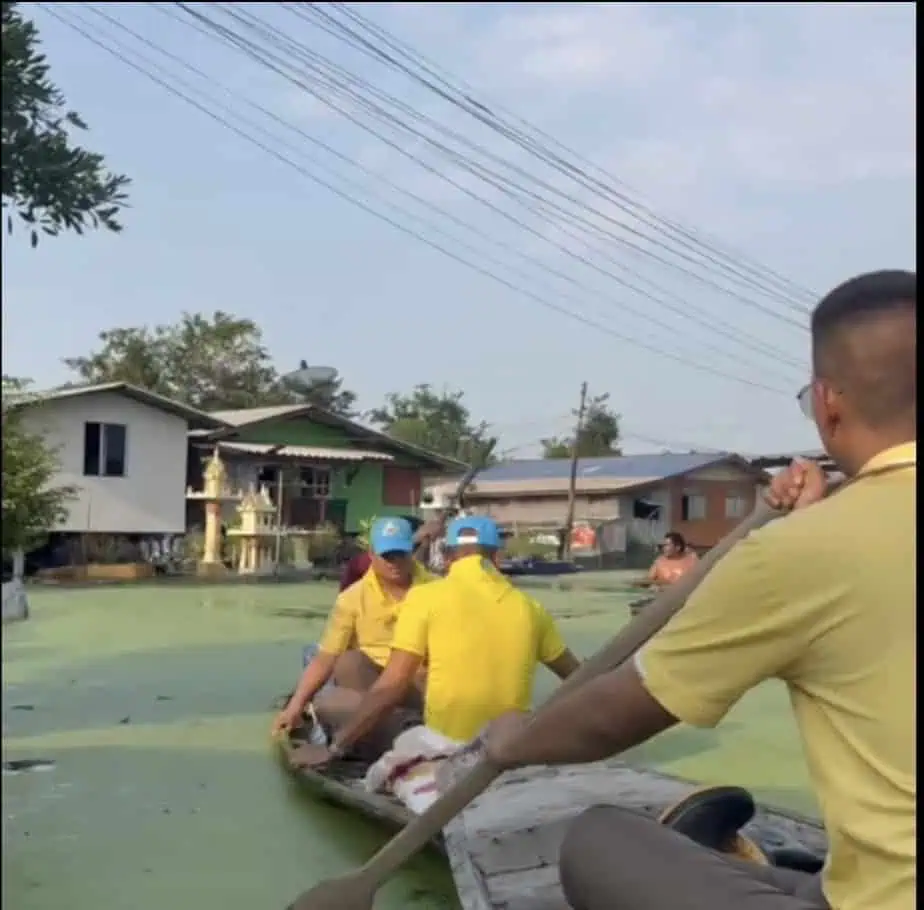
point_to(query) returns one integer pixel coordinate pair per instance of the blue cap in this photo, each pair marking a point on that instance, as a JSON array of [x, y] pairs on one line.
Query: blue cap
[[391, 535], [478, 530]]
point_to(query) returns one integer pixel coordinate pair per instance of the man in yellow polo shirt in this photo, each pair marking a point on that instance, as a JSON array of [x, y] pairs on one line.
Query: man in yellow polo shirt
[[356, 643], [481, 639], [823, 600]]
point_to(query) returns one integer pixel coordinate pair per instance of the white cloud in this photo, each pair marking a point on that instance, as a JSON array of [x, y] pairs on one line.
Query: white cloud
[[782, 93]]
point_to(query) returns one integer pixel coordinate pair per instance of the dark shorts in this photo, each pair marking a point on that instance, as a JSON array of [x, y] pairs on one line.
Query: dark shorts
[[616, 859]]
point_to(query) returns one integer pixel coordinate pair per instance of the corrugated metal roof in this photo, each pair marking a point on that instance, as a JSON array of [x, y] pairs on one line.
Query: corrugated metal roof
[[556, 485], [618, 467], [241, 416], [318, 453], [144, 396], [326, 453]]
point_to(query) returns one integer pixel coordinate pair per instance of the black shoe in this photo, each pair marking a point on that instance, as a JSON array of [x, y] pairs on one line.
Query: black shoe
[[712, 817]]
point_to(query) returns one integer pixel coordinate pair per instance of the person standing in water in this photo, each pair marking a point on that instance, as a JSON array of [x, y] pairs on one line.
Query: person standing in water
[[674, 560]]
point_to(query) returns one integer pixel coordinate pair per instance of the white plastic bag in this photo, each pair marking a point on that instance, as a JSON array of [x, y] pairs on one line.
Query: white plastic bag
[[408, 770]]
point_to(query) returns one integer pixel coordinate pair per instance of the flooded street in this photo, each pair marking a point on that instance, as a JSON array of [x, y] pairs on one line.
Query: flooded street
[[154, 705]]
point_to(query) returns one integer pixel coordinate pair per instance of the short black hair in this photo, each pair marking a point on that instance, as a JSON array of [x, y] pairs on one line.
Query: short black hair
[[864, 298], [861, 341], [677, 539]]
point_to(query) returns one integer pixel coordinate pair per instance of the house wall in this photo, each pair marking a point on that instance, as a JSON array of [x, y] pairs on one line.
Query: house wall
[[363, 488], [715, 484], [717, 490], [546, 511], [151, 497]]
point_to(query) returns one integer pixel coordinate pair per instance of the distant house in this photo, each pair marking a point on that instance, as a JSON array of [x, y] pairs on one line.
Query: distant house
[[328, 468], [124, 449], [700, 495], [782, 459]]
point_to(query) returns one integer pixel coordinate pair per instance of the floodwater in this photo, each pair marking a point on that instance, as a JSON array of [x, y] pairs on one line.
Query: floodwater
[[154, 705]]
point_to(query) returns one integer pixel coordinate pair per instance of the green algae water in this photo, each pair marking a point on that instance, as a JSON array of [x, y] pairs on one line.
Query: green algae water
[[154, 705]]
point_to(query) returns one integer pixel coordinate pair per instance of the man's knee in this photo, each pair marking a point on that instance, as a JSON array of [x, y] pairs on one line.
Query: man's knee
[[593, 838], [597, 826], [354, 670]]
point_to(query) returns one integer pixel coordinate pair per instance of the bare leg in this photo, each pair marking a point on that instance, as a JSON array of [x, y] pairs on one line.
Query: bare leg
[[354, 670], [336, 705]]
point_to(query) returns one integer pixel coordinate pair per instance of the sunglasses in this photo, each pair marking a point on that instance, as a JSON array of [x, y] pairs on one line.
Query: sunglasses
[[394, 556], [805, 401]]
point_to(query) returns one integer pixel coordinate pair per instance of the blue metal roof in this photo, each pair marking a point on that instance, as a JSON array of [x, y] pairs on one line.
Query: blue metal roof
[[623, 467]]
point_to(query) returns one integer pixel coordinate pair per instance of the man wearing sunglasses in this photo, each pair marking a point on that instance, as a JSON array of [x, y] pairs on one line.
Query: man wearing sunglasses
[[823, 600], [356, 643]]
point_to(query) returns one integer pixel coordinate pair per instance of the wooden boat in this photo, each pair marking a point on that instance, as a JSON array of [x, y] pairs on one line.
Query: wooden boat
[[341, 784], [503, 849], [519, 568]]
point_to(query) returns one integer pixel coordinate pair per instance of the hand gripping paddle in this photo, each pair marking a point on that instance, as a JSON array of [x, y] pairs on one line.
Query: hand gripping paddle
[[357, 890]]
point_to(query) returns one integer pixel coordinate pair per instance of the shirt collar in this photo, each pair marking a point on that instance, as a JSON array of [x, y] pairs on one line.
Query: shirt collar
[[907, 451], [418, 576], [470, 567]]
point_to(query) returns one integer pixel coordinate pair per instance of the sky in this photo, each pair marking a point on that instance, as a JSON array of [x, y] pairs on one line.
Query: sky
[[781, 131]]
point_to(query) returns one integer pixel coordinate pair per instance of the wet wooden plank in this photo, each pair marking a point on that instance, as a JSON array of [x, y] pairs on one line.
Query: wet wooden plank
[[503, 850]]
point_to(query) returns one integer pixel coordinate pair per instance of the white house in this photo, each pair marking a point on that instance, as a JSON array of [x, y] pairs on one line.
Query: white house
[[125, 450]]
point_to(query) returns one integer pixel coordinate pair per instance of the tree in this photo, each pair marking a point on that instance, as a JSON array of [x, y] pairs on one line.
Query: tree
[[599, 433], [32, 504], [438, 421], [50, 182], [208, 362]]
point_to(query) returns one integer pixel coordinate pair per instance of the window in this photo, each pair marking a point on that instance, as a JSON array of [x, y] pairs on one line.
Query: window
[[646, 511], [400, 487], [736, 506], [104, 449], [692, 507], [315, 482]]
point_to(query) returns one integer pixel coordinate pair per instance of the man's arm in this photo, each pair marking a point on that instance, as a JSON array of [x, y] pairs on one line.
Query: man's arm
[[553, 652], [563, 665], [315, 675], [408, 652], [734, 632], [386, 694], [336, 638], [604, 717]]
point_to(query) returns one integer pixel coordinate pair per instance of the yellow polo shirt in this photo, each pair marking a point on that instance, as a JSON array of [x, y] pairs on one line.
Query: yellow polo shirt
[[482, 640], [364, 617], [825, 601]]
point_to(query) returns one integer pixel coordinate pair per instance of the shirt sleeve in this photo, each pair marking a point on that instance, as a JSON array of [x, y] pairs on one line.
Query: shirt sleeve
[[412, 627], [734, 632], [341, 626], [551, 644]]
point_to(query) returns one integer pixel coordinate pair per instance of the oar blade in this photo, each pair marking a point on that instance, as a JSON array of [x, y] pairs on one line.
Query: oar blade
[[352, 892]]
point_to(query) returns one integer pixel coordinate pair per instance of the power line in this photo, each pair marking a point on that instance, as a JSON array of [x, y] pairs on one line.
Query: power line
[[529, 134], [683, 310], [759, 277], [532, 295], [360, 95]]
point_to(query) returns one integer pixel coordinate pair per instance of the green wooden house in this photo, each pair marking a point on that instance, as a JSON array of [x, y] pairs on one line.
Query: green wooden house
[[323, 467]]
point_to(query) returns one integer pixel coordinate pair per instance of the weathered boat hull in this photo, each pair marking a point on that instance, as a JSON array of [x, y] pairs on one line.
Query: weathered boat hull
[[503, 849], [341, 784]]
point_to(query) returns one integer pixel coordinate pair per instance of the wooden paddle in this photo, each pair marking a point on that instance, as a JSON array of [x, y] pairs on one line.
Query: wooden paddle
[[357, 890]]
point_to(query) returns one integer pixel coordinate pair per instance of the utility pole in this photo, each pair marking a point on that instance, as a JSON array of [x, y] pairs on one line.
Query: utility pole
[[572, 480]]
